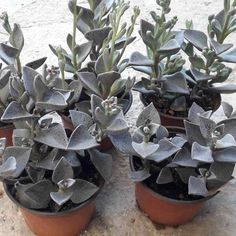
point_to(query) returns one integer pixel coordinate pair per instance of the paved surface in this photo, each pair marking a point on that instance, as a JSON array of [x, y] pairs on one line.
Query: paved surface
[[45, 22]]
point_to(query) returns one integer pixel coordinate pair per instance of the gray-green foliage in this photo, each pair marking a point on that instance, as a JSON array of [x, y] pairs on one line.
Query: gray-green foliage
[[46, 162], [163, 63], [209, 56], [202, 160]]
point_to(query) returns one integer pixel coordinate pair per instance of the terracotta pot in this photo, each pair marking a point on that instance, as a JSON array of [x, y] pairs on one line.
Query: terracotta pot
[[67, 223], [168, 120], [6, 132], [164, 210], [105, 145]]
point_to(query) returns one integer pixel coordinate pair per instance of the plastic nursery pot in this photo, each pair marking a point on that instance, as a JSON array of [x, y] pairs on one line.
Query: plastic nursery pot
[[168, 120], [6, 131], [105, 145], [164, 210], [67, 223]]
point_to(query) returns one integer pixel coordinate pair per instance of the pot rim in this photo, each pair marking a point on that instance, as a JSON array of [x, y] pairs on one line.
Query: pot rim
[[164, 198], [7, 126], [53, 214]]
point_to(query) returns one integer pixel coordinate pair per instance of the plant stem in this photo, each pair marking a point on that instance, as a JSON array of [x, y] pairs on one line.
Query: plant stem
[[74, 35], [223, 34]]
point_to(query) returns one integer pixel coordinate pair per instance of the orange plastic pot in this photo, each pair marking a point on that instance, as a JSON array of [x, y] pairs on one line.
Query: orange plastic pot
[[6, 132], [163, 210], [67, 223]]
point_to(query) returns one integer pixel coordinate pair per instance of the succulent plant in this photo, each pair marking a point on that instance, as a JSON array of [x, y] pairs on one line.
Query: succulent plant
[[104, 119], [185, 166], [11, 84], [52, 167], [209, 55], [107, 38], [163, 64]]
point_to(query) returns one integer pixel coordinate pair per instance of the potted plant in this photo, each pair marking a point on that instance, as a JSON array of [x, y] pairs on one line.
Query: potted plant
[[175, 173], [11, 71], [101, 24], [172, 88], [54, 174]]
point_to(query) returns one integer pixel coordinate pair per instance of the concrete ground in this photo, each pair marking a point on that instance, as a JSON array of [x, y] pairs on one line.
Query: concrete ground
[[45, 22]]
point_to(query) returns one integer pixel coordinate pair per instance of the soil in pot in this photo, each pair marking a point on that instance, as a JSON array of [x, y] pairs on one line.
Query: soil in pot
[[173, 118], [167, 204], [71, 219], [6, 131]]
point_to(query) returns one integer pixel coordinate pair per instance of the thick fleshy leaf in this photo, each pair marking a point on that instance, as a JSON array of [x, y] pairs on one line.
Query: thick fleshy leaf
[[227, 141], [98, 35], [207, 126], [72, 158], [185, 173], [102, 162], [95, 102], [28, 76], [178, 141], [145, 69], [117, 87], [139, 175], [170, 48], [50, 161], [85, 22], [39, 194], [197, 186], [193, 133], [199, 76], [81, 139], [8, 54], [15, 112], [165, 176], [37, 63], [148, 115], [8, 167], [144, 149], [220, 48], [83, 190], [218, 115], [176, 83], [118, 125], [228, 109], [197, 38], [107, 79], [161, 133], [194, 112], [35, 174], [222, 171], [17, 38], [229, 126], [62, 171], [201, 153], [4, 77], [89, 81], [183, 158], [225, 155], [54, 136], [38, 191], [226, 88], [80, 118], [119, 44], [137, 59], [122, 141], [229, 56], [165, 150], [21, 155], [22, 137], [61, 197], [83, 51]]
